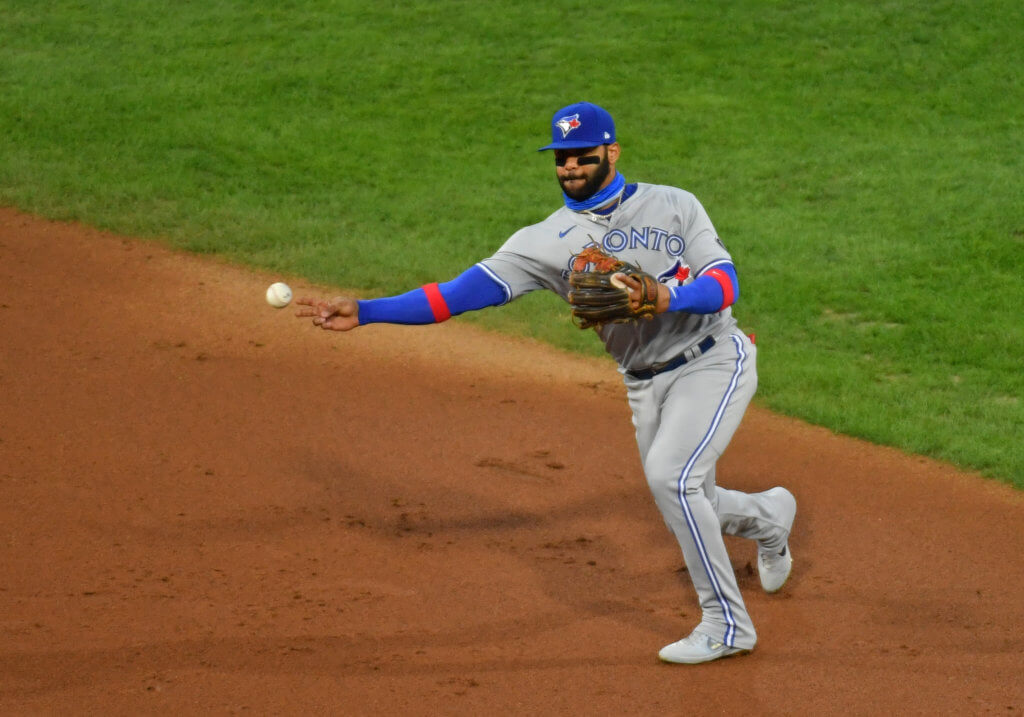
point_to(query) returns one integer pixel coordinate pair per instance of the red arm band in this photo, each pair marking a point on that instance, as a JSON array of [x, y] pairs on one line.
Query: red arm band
[[437, 303], [728, 293]]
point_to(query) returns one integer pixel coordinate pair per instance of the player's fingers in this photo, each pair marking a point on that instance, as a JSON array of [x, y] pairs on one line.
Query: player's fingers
[[338, 314], [316, 307], [338, 324]]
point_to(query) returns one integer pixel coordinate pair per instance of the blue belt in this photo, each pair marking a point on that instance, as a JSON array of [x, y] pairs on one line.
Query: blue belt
[[648, 373]]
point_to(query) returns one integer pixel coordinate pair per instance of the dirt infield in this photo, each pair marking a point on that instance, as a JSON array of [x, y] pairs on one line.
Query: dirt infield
[[209, 506]]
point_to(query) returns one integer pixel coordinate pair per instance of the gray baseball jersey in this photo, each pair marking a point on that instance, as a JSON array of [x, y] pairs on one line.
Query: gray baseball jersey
[[663, 230]]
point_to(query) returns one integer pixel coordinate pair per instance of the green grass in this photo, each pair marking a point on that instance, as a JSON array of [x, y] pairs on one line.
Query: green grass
[[862, 161]]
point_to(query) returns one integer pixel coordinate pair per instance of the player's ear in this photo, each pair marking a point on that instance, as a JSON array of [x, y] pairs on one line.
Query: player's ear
[[613, 152]]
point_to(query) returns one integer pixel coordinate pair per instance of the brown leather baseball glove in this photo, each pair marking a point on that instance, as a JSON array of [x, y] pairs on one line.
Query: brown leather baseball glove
[[598, 297]]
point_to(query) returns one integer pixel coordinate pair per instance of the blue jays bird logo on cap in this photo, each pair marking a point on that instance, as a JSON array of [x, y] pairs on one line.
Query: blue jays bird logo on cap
[[568, 124]]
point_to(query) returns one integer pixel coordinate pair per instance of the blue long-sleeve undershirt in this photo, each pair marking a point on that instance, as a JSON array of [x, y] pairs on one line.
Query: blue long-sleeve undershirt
[[471, 290]]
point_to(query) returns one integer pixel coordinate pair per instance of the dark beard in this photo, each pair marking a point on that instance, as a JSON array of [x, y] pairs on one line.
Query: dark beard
[[591, 186]]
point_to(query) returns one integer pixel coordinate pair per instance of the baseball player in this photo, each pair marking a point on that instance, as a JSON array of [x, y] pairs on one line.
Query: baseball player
[[689, 371]]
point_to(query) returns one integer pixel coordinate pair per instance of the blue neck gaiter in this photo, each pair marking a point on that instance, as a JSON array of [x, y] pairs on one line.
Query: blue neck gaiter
[[598, 199]]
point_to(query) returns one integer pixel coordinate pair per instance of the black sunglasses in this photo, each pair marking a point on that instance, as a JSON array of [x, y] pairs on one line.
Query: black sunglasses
[[589, 159]]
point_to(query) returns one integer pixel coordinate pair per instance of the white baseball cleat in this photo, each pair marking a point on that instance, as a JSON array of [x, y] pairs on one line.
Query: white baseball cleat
[[774, 569], [697, 648], [774, 566]]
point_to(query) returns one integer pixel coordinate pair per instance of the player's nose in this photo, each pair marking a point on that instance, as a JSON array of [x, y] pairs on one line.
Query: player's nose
[[570, 165]]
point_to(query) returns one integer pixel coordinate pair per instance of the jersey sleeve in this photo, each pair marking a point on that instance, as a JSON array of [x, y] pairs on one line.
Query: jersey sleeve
[[519, 268], [704, 249]]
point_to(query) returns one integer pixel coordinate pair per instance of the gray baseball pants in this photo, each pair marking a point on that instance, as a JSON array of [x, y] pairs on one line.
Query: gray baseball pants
[[684, 420]]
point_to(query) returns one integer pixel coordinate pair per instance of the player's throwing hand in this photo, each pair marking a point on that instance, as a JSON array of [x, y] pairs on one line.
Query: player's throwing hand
[[338, 314]]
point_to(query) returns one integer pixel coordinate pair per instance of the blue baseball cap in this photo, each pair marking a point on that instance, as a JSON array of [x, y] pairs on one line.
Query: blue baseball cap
[[579, 126]]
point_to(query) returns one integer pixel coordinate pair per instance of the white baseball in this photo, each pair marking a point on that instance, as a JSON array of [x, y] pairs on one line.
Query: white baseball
[[279, 295]]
